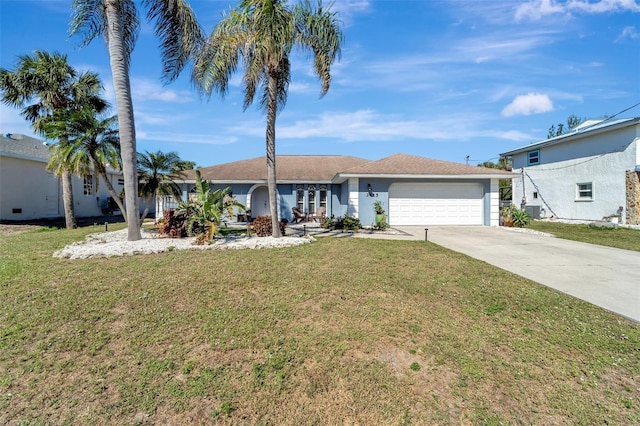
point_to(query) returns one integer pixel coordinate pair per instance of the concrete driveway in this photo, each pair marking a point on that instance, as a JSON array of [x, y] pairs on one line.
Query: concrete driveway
[[604, 276]]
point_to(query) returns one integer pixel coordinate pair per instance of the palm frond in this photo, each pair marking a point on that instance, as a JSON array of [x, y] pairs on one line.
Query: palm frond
[[89, 20], [180, 34], [318, 30]]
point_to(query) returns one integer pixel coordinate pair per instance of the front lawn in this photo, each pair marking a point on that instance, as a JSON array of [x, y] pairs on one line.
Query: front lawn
[[622, 238], [341, 331]]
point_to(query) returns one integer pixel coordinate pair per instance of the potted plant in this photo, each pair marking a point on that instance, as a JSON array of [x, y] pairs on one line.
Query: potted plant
[[380, 216]]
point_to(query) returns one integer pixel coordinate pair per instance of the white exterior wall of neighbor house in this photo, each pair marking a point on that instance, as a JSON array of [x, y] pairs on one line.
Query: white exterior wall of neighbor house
[[28, 191], [602, 160]]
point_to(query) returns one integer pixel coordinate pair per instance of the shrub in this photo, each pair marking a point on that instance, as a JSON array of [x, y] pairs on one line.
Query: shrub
[[202, 239], [520, 218], [172, 224], [346, 223], [515, 217], [262, 226], [351, 223]]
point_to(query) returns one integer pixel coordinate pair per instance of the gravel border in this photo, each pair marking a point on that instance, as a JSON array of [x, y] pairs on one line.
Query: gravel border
[[526, 231], [109, 244]]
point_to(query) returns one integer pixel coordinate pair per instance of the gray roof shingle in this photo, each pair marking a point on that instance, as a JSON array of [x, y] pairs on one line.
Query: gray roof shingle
[[21, 146], [324, 168], [403, 164], [298, 168]]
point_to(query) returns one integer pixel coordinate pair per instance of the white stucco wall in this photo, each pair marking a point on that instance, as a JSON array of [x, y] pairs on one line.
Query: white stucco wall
[[600, 160], [25, 184]]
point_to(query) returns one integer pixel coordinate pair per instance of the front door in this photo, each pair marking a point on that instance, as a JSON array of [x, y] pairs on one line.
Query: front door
[[260, 202]]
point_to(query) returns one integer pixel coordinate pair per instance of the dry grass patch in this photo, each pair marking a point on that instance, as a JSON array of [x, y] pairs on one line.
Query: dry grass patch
[[622, 238], [342, 331]]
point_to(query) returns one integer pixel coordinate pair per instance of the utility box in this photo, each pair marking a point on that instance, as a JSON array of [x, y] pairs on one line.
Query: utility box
[[533, 211]]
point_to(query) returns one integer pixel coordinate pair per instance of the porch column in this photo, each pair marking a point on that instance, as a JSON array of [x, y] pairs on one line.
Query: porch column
[[494, 206], [354, 195]]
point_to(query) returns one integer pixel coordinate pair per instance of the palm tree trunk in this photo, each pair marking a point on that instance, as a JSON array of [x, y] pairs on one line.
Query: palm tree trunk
[[67, 200], [147, 207], [272, 107], [126, 125], [102, 172]]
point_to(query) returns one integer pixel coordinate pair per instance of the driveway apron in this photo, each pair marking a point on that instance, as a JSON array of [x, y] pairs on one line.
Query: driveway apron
[[604, 276]]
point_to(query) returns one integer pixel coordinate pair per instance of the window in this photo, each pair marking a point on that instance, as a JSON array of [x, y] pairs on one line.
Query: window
[[88, 185], [533, 157], [312, 199], [585, 191], [300, 197], [121, 181], [535, 195], [323, 196]]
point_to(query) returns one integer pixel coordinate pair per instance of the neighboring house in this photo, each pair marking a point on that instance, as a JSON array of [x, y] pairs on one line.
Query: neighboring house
[[590, 173], [28, 191], [413, 190]]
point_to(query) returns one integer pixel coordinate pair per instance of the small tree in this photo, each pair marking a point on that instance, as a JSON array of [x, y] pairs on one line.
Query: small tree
[[573, 121], [156, 172], [93, 146], [207, 210]]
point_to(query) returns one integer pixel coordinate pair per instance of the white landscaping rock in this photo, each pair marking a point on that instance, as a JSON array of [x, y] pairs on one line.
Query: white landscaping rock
[[108, 244]]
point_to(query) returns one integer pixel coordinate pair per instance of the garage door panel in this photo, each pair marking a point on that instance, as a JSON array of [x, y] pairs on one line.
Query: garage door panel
[[436, 204]]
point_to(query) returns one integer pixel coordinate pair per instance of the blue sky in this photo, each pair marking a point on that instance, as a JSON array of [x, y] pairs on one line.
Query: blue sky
[[443, 79]]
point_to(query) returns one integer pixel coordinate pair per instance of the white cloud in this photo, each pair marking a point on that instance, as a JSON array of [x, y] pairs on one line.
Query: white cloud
[[346, 9], [371, 126], [149, 90], [538, 9], [604, 6], [302, 87], [184, 138], [515, 135], [628, 32], [532, 103]]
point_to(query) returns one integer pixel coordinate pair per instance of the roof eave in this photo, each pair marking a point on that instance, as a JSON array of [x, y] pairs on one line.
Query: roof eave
[[341, 177], [570, 136], [255, 181]]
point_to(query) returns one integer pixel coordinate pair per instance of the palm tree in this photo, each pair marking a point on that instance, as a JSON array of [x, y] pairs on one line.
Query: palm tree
[[262, 33], [48, 89], [93, 145], [156, 171], [117, 20]]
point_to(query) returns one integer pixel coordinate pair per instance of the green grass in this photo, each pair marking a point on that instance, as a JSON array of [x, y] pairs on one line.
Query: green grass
[[622, 238], [341, 331]]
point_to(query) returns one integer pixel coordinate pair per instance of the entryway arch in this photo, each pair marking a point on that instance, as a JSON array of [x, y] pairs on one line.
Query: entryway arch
[[258, 201]]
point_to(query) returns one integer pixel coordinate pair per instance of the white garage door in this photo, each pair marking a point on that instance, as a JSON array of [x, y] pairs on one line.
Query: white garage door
[[435, 204]]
